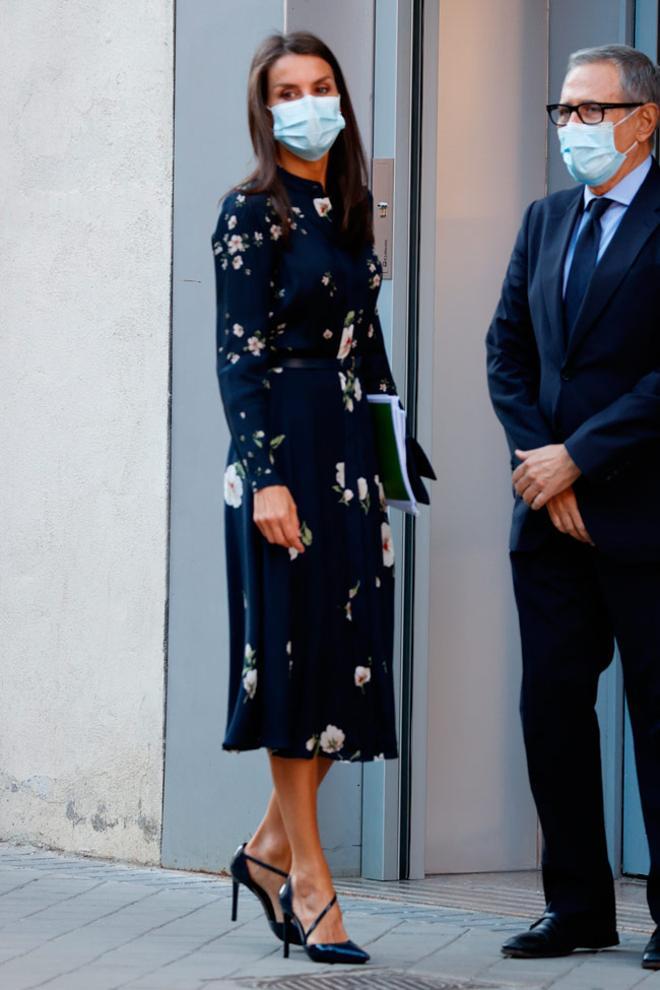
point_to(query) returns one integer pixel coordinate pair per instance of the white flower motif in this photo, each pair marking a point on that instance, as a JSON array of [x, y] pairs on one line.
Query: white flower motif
[[332, 739], [327, 334], [325, 279], [370, 331], [233, 358], [250, 683], [347, 496], [388, 548], [258, 237], [288, 648], [231, 223], [362, 676], [235, 243], [357, 389], [377, 582], [293, 553], [233, 487], [217, 247], [275, 232], [238, 330], [381, 756], [341, 474], [237, 262], [240, 198], [322, 205], [363, 489], [346, 343], [255, 345], [381, 492], [310, 745]]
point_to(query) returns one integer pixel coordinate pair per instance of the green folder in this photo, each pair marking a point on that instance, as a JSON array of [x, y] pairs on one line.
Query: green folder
[[389, 425]]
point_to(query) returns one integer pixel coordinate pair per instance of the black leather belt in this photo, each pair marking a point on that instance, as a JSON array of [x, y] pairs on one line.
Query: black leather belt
[[314, 362]]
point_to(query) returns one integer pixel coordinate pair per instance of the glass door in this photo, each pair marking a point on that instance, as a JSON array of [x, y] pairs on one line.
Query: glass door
[[635, 846]]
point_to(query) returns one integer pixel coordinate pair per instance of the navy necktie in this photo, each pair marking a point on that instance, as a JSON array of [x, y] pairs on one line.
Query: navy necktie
[[584, 263]]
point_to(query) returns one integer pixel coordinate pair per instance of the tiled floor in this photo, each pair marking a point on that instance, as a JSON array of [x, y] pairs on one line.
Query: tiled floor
[[517, 894], [68, 923]]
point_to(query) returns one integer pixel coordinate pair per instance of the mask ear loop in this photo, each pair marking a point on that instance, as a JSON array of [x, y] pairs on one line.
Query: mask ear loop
[[622, 121]]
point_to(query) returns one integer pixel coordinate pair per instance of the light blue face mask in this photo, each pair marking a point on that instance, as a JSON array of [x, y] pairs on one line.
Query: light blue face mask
[[589, 151], [308, 127]]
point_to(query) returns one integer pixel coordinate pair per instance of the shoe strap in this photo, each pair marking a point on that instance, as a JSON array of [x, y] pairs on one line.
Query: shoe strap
[[266, 866], [320, 918]]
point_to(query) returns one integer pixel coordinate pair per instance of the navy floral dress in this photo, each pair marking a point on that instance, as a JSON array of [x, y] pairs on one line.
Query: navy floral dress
[[310, 633]]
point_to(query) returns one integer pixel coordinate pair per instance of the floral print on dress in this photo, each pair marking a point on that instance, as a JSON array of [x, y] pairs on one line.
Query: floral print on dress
[[322, 205], [234, 475], [387, 544], [244, 245], [249, 678], [318, 625], [328, 280], [362, 676], [363, 494], [306, 539], [375, 274], [332, 739], [351, 389], [346, 495], [348, 607]]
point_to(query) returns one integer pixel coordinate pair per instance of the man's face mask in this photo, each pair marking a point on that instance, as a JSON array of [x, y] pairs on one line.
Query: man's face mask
[[589, 151]]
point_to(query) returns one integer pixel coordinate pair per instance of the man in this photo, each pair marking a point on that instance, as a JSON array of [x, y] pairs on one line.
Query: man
[[574, 376]]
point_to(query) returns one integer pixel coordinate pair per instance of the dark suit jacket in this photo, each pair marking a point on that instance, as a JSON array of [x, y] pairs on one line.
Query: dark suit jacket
[[600, 395]]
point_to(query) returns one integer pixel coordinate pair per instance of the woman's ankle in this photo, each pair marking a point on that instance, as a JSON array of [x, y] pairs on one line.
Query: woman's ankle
[[310, 879], [272, 850]]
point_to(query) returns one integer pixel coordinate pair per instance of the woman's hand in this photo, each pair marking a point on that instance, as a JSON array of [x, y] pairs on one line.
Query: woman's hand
[[276, 517]]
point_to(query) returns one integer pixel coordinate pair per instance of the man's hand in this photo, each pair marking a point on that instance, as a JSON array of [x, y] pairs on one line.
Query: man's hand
[[565, 515], [544, 473], [276, 516]]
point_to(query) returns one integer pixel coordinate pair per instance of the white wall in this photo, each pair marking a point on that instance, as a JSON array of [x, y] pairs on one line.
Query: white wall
[[85, 197], [491, 163]]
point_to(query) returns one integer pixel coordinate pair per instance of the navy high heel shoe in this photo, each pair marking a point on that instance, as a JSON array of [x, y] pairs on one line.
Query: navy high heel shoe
[[321, 952], [241, 875]]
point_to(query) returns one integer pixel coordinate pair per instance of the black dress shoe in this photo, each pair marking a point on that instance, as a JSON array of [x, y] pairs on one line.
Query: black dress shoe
[[550, 936], [651, 957]]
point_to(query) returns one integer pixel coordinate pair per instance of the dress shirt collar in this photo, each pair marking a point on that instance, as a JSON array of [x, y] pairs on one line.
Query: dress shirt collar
[[626, 189]]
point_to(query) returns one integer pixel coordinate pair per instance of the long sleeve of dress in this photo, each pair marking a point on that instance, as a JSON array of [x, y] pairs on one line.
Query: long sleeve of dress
[[376, 373], [244, 245]]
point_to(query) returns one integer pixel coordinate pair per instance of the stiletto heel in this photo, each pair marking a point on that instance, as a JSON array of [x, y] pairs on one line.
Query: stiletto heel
[[287, 929], [241, 875], [321, 952]]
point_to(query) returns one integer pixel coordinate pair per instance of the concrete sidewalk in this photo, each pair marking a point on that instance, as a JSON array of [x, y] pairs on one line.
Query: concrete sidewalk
[[71, 923]]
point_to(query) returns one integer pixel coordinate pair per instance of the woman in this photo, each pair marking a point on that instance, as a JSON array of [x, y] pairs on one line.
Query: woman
[[309, 550]]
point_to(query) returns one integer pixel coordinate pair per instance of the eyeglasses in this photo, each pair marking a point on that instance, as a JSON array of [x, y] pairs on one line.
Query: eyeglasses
[[589, 113]]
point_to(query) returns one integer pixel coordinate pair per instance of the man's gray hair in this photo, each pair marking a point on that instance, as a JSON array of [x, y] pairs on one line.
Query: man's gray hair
[[640, 78]]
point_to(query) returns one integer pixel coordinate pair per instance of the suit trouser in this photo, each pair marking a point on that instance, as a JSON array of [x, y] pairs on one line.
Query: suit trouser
[[573, 602]]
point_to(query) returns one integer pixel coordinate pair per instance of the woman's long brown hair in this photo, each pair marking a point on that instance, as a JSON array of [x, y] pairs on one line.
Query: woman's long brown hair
[[347, 166]]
